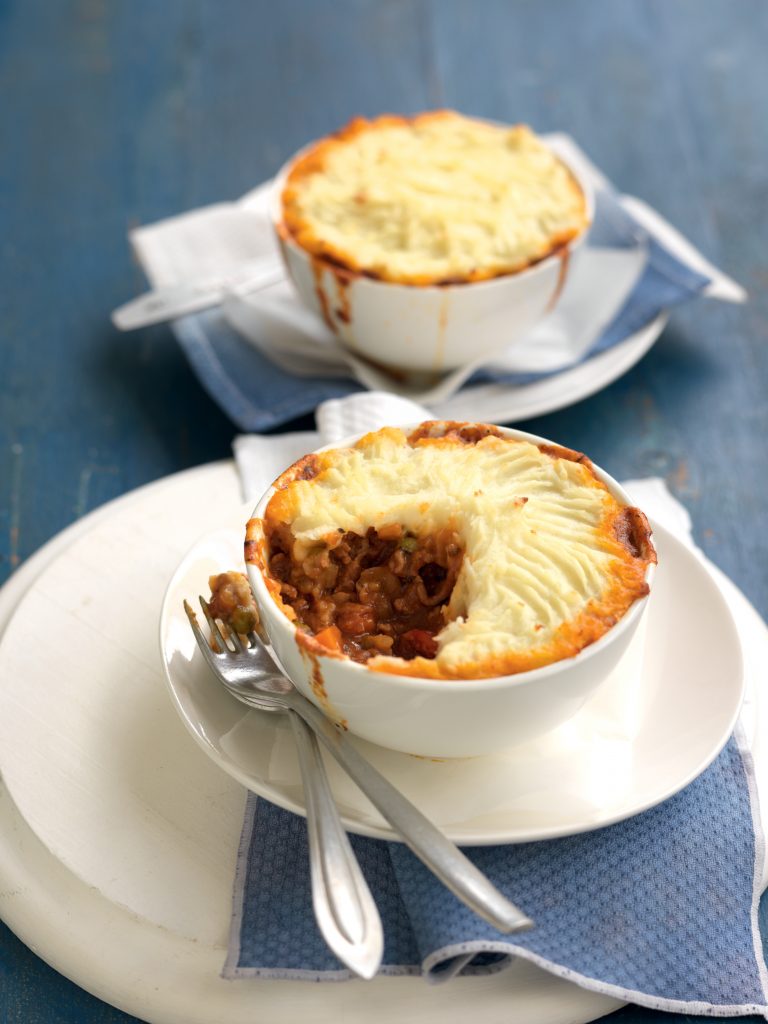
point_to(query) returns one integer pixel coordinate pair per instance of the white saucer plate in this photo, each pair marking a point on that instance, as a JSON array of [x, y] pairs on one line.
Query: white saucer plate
[[630, 747], [118, 838], [506, 403]]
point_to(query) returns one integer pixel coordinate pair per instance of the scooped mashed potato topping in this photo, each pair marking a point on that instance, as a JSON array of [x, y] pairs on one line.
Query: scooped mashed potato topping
[[452, 551]]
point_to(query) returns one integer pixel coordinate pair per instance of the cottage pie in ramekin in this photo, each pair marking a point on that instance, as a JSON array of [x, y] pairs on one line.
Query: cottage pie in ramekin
[[448, 589], [427, 241], [450, 551]]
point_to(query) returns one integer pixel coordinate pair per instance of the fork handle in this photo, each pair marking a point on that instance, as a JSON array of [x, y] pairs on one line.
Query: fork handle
[[427, 842], [344, 908]]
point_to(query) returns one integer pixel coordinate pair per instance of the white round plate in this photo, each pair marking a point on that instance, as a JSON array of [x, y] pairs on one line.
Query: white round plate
[[124, 885], [629, 748], [121, 876]]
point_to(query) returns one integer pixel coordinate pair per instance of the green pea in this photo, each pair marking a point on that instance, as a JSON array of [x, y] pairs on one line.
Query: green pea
[[242, 620]]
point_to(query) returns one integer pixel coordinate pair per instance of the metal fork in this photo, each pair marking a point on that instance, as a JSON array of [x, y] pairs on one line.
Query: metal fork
[[344, 908], [252, 676]]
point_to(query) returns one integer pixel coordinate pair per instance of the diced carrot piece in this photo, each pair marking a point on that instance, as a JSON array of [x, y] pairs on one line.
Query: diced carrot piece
[[330, 637]]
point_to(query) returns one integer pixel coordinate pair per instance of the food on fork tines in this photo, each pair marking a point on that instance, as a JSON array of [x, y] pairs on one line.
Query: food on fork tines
[[232, 601], [450, 551]]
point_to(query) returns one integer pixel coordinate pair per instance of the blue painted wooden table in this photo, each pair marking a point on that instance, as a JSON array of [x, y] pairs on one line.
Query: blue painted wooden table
[[114, 114]]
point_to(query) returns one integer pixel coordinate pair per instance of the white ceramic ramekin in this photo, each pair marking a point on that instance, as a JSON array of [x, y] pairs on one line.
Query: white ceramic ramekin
[[446, 717], [427, 329]]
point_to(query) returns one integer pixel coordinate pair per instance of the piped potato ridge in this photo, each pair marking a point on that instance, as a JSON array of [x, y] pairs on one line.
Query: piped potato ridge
[[452, 551]]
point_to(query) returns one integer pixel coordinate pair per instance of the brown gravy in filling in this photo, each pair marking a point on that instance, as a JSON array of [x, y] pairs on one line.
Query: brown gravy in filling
[[382, 593]]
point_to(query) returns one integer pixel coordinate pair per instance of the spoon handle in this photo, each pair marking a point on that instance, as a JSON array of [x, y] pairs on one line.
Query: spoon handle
[[429, 844], [344, 908]]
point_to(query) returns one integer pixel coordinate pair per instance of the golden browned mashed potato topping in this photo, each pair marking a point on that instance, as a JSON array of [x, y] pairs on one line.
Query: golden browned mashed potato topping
[[436, 198], [451, 551]]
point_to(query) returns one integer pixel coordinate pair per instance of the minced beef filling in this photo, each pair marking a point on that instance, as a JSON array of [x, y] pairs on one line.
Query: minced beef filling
[[382, 593]]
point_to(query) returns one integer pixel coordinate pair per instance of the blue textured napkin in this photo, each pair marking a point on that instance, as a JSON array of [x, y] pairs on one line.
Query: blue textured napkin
[[660, 910], [258, 395]]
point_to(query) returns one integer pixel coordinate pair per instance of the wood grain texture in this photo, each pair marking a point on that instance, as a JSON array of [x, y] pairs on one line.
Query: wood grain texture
[[114, 113]]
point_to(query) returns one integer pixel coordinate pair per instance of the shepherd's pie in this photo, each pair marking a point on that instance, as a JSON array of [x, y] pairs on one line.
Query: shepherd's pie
[[452, 551]]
